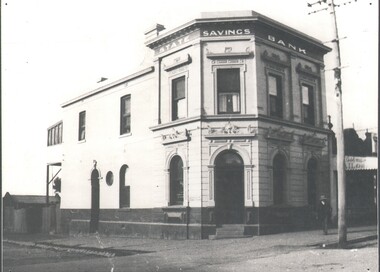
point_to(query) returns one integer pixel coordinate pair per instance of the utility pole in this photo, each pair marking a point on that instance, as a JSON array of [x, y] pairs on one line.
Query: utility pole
[[342, 228], [340, 164]]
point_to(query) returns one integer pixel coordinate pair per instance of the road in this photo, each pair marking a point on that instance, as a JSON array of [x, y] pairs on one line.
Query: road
[[281, 252]]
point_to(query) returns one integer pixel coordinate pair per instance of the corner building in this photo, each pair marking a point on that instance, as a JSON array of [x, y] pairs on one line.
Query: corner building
[[227, 125]]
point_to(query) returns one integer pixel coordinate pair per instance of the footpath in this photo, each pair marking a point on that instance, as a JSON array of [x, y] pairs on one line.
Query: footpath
[[114, 246]]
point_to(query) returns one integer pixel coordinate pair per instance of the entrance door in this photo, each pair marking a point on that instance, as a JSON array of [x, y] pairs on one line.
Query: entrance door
[[229, 189], [312, 183], [94, 221]]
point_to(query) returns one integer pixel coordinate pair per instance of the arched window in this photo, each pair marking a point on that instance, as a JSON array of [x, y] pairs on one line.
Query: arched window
[[125, 191], [279, 179], [176, 181], [312, 182]]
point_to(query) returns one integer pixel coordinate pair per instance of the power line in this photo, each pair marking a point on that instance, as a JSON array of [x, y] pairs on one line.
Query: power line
[[320, 2]]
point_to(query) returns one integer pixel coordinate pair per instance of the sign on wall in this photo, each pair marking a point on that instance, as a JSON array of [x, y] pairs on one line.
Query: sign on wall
[[360, 163]]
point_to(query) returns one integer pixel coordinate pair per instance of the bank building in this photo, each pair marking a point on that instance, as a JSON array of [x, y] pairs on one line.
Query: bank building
[[223, 130]]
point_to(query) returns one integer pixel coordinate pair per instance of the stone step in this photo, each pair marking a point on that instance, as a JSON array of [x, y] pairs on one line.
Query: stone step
[[229, 231]]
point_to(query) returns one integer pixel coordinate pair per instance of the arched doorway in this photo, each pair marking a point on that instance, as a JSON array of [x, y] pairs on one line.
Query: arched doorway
[[94, 220], [279, 180], [124, 190], [312, 182], [176, 181], [229, 188]]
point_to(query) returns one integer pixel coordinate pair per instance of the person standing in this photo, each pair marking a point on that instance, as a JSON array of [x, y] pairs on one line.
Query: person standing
[[324, 213]]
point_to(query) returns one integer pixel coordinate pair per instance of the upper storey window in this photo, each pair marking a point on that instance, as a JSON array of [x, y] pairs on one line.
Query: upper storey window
[[55, 134], [125, 115], [228, 89], [308, 104], [275, 95], [178, 98], [82, 126]]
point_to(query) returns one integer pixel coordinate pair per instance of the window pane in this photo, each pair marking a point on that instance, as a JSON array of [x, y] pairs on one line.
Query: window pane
[[49, 137], [229, 103], [179, 88], [125, 115], [235, 103], [82, 125], [181, 108], [222, 103], [273, 105], [228, 80], [127, 105], [178, 98], [272, 85], [305, 95]]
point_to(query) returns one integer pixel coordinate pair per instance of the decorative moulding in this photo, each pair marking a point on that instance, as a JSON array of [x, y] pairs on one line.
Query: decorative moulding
[[280, 134], [231, 131], [306, 70], [229, 54], [274, 58], [175, 136], [312, 140], [178, 62]]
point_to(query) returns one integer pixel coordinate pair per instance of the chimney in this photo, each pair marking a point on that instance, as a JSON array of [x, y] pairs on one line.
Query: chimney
[[153, 32]]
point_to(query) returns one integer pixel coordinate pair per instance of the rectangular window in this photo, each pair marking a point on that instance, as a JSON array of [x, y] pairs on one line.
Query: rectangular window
[[275, 95], [178, 98], [308, 104], [228, 89], [125, 115], [55, 135], [82, 126]]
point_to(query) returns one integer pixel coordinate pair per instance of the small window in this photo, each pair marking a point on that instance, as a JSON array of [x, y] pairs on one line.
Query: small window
[[55, 134], [125, 115], [228, 89], [178, 98], [82, 126], [275, 95], [308, 104], [109, 178]]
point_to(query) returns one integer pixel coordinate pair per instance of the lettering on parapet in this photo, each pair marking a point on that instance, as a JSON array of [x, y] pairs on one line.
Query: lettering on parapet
[[226, 32], [286, 44]]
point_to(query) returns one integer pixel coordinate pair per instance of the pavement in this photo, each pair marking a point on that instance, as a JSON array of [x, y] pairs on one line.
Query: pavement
[[111, 246]]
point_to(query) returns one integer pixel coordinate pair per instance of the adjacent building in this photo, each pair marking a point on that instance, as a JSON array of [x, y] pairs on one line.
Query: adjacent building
[[225, 125]]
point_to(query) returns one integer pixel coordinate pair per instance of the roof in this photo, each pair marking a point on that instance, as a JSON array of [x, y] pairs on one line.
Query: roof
[[107, 85], [30, 199]]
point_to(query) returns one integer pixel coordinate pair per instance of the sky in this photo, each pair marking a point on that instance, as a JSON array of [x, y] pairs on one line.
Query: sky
[[54, 50]]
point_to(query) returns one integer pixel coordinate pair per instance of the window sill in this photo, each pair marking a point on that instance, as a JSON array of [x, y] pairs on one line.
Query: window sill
[[82, 141], [174, 207], [125, 135]]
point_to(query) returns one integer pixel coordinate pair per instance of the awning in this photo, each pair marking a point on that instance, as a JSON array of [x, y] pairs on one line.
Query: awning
[[360, 163]]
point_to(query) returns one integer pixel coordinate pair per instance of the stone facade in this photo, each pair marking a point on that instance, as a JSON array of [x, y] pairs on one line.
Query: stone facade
[[236, 102]]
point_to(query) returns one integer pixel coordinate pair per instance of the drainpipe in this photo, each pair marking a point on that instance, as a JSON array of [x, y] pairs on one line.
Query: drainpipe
[[47, 185], [187, 193]]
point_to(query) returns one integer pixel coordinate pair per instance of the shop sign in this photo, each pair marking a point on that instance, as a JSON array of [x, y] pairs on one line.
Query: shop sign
[[360, 163]]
